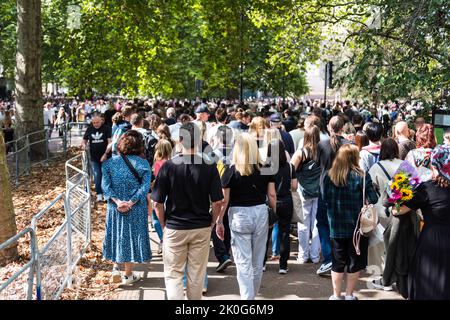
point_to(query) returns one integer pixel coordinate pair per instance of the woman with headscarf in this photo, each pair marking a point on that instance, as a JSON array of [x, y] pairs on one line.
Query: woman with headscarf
[[429, 276]]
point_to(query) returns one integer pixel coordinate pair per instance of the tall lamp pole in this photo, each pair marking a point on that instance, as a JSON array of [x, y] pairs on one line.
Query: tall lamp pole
[[326, 79], [241, 91]]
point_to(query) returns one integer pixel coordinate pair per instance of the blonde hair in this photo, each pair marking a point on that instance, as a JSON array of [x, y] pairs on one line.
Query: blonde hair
[[257, 127], [245, 154], [163, 150], [202, 127], [346, 161], [271, 135]]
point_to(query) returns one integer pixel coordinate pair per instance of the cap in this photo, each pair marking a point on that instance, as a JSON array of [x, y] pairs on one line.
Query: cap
[[202, 108], [275, 117]]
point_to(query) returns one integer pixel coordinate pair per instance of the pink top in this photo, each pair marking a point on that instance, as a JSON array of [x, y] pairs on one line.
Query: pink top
[[157, 165]]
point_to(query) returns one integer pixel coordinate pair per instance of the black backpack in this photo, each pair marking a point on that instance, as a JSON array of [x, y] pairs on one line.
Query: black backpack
[[149, 147]]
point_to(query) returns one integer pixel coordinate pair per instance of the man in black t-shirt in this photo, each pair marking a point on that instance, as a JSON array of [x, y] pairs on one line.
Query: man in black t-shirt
[[186, 185], [99, 136]]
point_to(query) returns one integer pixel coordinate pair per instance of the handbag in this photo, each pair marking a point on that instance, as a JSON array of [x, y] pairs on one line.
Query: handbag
[[367, 221], [297, 216], [273, 218], [133, 171]]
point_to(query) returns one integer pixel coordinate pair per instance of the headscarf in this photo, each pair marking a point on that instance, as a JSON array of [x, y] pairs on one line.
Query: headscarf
[[440, 159]]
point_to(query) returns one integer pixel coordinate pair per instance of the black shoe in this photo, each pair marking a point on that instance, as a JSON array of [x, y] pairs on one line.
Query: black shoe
[[223, 265]]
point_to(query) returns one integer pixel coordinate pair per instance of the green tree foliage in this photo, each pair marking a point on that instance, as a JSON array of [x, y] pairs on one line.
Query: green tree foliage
[[8, 17], [390, 49], [161, 47]]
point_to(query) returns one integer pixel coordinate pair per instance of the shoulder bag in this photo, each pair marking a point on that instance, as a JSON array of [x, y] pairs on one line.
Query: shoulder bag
[[367, 221], [297, 215]]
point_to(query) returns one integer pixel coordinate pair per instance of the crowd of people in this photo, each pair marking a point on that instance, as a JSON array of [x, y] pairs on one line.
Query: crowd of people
[[226, 172]]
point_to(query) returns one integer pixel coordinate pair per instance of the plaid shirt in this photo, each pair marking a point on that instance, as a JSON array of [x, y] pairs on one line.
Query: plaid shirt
[[344, 204]]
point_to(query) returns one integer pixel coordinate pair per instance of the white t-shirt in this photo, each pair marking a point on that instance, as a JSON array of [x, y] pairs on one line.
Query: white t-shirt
[[175, 130], [297, 135]]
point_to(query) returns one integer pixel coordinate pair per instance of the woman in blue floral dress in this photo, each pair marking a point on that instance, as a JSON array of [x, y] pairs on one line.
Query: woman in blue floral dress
[[126, 238]]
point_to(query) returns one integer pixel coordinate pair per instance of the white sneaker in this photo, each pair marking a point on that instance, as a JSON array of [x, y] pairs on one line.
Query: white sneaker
[[160, 248], [333, 297], [131, 279], [324, 268], [378, 284], [302, 261], [99, 198], [283, 271], [351, 297]]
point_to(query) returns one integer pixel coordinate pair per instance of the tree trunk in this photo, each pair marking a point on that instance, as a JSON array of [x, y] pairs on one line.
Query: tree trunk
[[7, 217], [29, 110]]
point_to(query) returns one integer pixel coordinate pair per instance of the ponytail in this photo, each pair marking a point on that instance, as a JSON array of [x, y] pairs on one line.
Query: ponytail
[[336, 125]]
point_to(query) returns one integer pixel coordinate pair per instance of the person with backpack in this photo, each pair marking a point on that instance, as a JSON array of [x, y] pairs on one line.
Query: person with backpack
[[381, 173], [308, 175], [369, 155]]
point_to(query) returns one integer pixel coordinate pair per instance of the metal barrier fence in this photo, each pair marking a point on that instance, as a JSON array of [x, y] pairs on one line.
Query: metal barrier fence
[[50, 142], [53, 265], [13, 287], [78, 199]]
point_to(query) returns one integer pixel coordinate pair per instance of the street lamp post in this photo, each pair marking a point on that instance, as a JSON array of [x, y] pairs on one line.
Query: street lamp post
[[326, 78], [241, 91]]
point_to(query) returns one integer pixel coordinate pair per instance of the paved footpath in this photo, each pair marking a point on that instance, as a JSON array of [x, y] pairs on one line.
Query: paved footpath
[[301, 283]]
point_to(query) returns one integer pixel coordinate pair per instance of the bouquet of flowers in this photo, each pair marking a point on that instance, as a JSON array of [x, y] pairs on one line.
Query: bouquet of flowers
[[403, 184]]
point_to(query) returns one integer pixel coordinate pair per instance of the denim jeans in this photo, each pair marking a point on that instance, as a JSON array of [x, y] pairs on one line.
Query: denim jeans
[[275, 241], [205, 282], [97, 172], [249, 226], [157, 226], [308, 230], [324, 230]]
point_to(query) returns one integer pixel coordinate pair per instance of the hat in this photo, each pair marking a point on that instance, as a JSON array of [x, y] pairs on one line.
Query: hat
[[275, 117], [202, 108], [440, 159]]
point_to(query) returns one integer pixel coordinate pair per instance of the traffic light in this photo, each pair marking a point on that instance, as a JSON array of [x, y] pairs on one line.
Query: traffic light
[[329, 75]]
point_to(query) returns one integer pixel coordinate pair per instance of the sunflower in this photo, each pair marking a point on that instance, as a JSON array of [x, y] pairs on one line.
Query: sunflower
[[399, 178], [394, 185], [406, 194]]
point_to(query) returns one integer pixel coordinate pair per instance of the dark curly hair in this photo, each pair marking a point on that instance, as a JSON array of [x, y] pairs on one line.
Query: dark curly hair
[[131, 143]]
